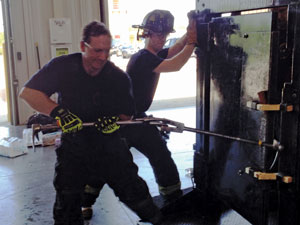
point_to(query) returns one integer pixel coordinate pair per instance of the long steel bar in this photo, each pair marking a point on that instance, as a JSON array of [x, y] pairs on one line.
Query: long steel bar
[[168, 125], [259, 142]]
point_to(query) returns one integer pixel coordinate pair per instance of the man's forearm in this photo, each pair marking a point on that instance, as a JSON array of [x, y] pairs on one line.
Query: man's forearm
[[177, 47], [176, 62], [125, 117], [37, 100]]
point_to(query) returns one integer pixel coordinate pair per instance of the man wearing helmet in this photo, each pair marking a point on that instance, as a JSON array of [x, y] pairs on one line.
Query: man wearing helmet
[[144, 68], [146, 65]]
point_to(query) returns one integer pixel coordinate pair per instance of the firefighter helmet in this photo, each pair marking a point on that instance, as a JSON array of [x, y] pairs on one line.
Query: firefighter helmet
[[158, 21]]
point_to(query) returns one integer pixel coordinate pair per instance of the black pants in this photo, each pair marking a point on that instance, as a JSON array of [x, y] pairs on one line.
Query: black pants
[[148, 140], [105, 156]]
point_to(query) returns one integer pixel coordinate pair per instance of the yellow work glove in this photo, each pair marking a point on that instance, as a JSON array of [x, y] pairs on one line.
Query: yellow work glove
[[107, 125], [68, 122]]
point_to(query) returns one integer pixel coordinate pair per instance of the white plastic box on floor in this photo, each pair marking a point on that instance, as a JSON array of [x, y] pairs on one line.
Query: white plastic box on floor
[[27, 137], [12, 147]]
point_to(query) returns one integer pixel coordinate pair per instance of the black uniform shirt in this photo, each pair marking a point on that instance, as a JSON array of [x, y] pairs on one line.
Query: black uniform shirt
[[140, 68], [107, 94]]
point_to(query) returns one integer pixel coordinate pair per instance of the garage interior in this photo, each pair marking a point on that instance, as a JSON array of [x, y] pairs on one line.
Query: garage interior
[[245, 170]]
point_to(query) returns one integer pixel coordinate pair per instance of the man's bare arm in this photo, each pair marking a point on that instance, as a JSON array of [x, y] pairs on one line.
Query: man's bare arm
[[177, 47], [125, 117], [37, 100], [176, 62]]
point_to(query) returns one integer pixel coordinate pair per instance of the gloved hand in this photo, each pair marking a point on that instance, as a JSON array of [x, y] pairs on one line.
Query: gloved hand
[[107, 125], [68, 122]]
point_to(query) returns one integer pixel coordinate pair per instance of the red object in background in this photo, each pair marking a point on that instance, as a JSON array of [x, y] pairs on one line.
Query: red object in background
[[116, 4]]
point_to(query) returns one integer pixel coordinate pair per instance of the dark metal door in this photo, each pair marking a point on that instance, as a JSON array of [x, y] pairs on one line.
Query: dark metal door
[[242, 72]]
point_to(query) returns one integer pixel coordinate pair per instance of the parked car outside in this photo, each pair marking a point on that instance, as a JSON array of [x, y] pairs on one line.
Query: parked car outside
[[120, 47], [114, 46], [128, 51], [170, 42]]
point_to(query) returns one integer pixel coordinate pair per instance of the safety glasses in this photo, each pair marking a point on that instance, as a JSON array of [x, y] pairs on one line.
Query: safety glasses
[[97, 51]]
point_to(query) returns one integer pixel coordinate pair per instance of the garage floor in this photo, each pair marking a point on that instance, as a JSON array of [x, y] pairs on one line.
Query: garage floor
[[27, 194]]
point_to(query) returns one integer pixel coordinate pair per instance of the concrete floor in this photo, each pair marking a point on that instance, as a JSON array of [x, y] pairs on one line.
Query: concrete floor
[[27, 194]]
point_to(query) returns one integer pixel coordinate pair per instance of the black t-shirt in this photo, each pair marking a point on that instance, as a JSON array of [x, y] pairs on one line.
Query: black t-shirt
[[107, 94], [140, 68]]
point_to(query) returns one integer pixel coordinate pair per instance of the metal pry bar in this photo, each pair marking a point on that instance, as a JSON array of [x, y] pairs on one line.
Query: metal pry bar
[[179, 127], [176, 127], [166, 125], [276, 145]]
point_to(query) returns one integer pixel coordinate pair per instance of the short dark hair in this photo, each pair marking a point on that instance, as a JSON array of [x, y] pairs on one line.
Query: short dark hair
[[94, 29]]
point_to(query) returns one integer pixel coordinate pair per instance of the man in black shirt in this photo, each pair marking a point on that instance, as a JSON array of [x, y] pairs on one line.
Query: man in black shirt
[[144, 68], [90, 89]]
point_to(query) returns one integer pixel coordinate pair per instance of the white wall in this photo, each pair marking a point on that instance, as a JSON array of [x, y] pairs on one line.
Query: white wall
[[30, 25]]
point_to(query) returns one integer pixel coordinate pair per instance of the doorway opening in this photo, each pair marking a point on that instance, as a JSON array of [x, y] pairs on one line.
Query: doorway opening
[[3, 80], [175, 89]]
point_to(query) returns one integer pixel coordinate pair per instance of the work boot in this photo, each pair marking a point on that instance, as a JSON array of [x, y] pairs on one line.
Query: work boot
[[87, 213], [171, 198]]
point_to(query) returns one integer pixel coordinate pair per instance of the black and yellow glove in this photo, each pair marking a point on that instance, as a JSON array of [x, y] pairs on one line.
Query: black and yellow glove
[[68, 122], [107, 125]]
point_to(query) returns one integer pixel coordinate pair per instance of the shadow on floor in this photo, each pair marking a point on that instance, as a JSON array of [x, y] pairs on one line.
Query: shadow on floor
[[197, 208]]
